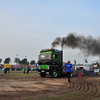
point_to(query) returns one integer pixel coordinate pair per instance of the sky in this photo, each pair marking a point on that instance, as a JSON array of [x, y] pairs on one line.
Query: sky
[[27, 26]]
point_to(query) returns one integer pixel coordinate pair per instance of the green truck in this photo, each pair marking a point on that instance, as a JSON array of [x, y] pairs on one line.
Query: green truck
[[50, 62]]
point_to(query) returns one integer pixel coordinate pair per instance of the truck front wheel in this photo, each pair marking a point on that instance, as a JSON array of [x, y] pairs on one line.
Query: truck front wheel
[[55, 74], [42, 74]]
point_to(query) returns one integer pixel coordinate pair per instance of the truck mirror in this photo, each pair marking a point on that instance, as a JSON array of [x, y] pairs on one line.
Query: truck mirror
[[53, 55]]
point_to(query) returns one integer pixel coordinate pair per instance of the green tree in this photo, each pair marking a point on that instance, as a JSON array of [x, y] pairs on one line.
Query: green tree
[[25, 61], [7, 60], [0, 60], [20, 62], [17, 61], [32, 62]]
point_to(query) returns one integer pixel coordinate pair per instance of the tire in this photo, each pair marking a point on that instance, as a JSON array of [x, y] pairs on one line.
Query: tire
[[96, 73], [42, 74], [55, 74]]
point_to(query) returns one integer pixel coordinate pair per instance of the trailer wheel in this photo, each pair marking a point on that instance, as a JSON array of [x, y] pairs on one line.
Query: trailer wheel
[[96, 73], [42, 74], [55, 74]]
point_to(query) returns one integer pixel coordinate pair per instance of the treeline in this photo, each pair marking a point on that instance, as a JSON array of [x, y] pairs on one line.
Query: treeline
[[18, 61]]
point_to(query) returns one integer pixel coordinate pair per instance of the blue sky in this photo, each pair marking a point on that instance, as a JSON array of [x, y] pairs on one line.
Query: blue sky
[[27, 26]]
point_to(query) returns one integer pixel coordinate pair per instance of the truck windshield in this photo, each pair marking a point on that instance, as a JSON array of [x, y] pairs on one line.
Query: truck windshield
[[45, 55]]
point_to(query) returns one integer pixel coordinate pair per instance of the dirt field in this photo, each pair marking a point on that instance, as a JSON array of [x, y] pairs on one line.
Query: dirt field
[[31, 87]]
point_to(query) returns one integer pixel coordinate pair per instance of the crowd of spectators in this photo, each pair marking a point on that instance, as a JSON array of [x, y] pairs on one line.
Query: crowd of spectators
[[1, 66], [19, 67]]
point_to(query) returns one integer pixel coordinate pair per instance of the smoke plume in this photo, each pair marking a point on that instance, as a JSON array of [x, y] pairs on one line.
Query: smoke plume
[[88, 45]]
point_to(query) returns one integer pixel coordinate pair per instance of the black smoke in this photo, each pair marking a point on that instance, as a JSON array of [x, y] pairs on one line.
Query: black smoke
[[88, 45]]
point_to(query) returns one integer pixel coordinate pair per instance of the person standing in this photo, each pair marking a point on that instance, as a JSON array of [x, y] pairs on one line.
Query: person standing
[[8, 66], [68, 70], [24, 69], [28, 68], [17, 68], [5, 70]]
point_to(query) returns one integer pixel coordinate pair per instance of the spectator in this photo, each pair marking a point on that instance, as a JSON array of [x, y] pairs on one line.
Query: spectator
[[24, 69], [5, 70], [8, 66], [28, 68], [17, 68]]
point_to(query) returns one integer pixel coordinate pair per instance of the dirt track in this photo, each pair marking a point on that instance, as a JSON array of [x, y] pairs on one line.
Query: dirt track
[[26, 87]]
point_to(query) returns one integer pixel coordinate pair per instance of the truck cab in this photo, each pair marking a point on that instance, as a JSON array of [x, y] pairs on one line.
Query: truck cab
[[50, 62]]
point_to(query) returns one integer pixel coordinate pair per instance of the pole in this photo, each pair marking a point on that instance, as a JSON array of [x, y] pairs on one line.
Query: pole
[[25, 60], [17, 59], [62, 51]]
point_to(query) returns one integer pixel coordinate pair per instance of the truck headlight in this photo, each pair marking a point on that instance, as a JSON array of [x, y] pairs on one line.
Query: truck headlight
[[48, 66]]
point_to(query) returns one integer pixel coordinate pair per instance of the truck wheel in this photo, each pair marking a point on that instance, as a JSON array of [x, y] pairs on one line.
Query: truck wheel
[[42, 75], [55, 74]]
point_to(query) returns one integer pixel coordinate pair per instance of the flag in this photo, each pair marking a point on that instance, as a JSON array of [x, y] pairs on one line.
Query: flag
[[79, 74], [75, 61], [86, 61]]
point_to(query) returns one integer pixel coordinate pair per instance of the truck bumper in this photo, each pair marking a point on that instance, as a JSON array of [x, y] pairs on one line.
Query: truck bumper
[[43, 71]]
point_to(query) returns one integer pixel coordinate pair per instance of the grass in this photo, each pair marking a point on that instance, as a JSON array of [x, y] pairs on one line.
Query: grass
[[74, 94], [16, 73], [23, 74], [65, 97]]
